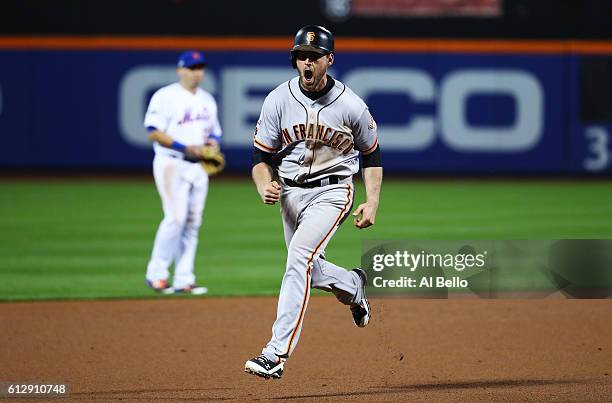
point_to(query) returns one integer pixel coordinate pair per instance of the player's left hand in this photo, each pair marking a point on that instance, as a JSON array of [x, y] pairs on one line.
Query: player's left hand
[[368, 215]]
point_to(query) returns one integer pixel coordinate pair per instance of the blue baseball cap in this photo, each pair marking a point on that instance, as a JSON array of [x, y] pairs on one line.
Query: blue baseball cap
[[191, 58]]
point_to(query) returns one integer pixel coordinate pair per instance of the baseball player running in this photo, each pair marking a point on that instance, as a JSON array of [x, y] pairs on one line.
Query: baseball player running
[[180, 119], [310, 132]]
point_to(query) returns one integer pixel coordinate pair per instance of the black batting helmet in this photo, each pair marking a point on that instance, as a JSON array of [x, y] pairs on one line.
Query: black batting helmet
[[313, 38]]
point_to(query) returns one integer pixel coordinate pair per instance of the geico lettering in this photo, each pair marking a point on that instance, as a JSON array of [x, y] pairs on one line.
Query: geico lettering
[[522, 135], [243, 93], [419, 132], [242, 89], [455, 130]]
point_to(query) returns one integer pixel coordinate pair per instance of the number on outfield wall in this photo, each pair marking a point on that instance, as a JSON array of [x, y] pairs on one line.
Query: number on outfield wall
[[598, 157]]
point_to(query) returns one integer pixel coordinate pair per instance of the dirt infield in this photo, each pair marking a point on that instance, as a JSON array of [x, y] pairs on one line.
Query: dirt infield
[[414, 350]]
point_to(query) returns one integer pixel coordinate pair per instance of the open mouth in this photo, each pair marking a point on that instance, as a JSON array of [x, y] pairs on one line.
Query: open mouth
[[308, 76]]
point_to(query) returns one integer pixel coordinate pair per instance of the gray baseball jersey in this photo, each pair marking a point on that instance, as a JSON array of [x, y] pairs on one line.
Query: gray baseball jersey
[[315, 138]]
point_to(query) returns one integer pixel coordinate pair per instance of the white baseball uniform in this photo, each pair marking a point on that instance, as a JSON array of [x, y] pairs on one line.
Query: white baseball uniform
[[317, 144], [190, 119]]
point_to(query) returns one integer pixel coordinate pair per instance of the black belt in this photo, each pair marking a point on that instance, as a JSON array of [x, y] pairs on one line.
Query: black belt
[[333, 180]]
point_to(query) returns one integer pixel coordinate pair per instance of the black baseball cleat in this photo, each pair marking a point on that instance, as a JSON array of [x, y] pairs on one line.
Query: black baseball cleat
[[262, 366], [361, 310]]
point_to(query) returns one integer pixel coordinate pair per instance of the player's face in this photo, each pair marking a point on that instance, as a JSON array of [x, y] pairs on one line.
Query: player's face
[[313, 67], [191, 77]]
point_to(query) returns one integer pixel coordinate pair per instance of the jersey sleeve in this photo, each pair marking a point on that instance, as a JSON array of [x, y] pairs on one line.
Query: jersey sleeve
[[364, 132], [267, 131], [156, 115]]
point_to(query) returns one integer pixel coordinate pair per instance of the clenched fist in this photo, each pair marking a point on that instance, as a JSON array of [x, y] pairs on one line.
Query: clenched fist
[[270, 193]]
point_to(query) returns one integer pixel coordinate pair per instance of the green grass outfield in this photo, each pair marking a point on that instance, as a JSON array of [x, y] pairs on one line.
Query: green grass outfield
[[65, 239]]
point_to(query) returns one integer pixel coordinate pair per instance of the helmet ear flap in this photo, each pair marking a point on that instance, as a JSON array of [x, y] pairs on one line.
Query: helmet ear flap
[[293, 61]]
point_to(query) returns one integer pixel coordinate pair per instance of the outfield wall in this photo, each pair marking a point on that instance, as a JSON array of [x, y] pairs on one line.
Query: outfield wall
[[442, 106]]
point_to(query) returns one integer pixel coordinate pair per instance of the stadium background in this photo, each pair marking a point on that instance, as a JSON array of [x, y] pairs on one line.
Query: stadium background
[[518, 87], [495, 120]]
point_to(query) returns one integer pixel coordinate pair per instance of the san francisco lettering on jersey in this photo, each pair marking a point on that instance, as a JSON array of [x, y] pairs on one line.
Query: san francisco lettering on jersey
[[336, 139]]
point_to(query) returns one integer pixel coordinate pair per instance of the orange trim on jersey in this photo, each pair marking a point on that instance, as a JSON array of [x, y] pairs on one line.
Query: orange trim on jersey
[[371, 149], [265, 147], [309, 262], [267, 43]]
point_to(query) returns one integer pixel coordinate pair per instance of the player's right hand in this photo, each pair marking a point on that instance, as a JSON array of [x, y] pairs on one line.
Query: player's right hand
[[271, 193]]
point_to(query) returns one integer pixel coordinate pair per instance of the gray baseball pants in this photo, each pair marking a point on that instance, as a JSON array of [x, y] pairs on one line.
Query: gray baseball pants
[[310, 219]]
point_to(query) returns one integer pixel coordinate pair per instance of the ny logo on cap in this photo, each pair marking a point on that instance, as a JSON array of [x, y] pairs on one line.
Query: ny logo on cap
[[195, 55], [310, 36]]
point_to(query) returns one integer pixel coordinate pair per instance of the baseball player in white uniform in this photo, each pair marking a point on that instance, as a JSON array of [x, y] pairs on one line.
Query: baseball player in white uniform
[[180, 119], [310, 133]]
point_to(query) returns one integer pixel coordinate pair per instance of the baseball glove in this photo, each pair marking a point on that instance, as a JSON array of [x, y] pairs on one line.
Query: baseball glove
[[212, 160]]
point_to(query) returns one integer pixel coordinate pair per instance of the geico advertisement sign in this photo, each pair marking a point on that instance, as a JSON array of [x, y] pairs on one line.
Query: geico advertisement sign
[[241, 91]]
